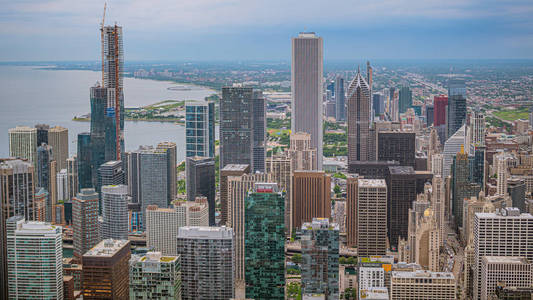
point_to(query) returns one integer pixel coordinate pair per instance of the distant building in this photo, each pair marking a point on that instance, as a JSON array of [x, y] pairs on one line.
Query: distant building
[[200, 128], [451, 147], [456, 112], [84, 161], [172, 181], [340, 97], [228, 170], [154, 276], [23, 143], [58, 140], [311, 197], [462, 186], [371, 221], [110, 173], [280, 167], [62, 186], [42, 133], [201, 181], [72, 174], [85, 221], [422, 284], [115, 212], [430, 115], [371, 169], [406, 99], [401, 188], [153, 178]]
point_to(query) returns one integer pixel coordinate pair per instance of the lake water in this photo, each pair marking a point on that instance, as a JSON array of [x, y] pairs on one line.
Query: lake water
[[31, 95]]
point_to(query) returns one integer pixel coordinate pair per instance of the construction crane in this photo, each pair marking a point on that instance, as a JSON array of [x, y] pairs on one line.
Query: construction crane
[[102, 40]]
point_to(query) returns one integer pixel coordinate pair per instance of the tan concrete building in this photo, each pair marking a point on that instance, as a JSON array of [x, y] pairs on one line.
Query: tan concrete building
[[23, 143], [427, 245], [352, 184], [371, 217], [280, 168], [513, 271], [311, 197], [302, 155], [421, 284], [228, 170], [58, 139]]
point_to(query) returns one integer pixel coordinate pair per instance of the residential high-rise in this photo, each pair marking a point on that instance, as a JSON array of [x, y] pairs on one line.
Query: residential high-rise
[[358, 117], [438, 204], [133, 165], [172, 187], [206, 262], [228, 170], [280, 167], [502, 173], [422, 284], [115, 212], [58, 140], [514, 271], [302, 156], [398, 146], [162, 223], [200, 128], [23, 143], [306, 86], [371, 222], [42, 133], [320, 253], [440, 103], [311, 197], [154, 276], [264, 243], [34, 259], [201, 181], [503, 233], [516, 188], [17, 188], [340, 96], [430, 114], [72, 176], [401, 188], [85, 221], [84, 161], [110, 173], [242, 128], [406, 99], [456, 112], [106, 270], [45, 176]]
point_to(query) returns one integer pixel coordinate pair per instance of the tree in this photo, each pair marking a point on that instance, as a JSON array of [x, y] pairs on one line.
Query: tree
[[337, 189], [297, 258]]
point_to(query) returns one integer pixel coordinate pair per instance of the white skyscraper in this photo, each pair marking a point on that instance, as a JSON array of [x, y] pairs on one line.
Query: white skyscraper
[[502, 174], [23, 143], [62, 185], [115, 212], [478, 129], [307, 76]]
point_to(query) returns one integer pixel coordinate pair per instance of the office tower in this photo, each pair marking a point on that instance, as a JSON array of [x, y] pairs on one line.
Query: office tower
[[358, 116], [85, 221], [242, 128], [311, 197], [398, 146], [422, 284], [172, 188], [264, 243], [154, 276], [516, 188], [200, 128], [23, 143], [406, 99], [72, 176], [46, 177], [352, 195], [34, 249], [438, 199], [201, 181], [478, 128], [456, 112], [17, 186], [153, 164], [401, 188], [62, 186], [371, 219], [228, 170], [430, 115], [478, 165], [329, 107], [207, 266], [303, 157], [83, 160], [378, 104], [371, 276], [340, 106], [502, 174], [115, 212], [58, 140], [461, 184], [106, 270], [503, 233], [42, 133], [162, 223], [451, 147], [514, 271], [238, 187], [133, 180], [280, 167], [39, 205], [320, 253], [110, 173], [439, 104], [427, 241], [371, 169], [306, 86]]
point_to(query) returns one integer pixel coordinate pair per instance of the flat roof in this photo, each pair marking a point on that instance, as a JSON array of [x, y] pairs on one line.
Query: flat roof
[[422, 274], [372, 183], [107, 248], [205, 232], [505, 259], [235, 167]]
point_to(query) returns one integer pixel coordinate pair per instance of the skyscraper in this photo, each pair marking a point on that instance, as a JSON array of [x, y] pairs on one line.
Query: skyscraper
[[264, 243], [306, 86], [513, 271], [44, 156], [452, 145], [406, 99], [280, 167], [422, 284], [85, 221], [358, 116], [320, 253], [371, 222], [207, 262], [115, 212], [200, 128], [110, 173], [84, 161], [456, 105], [401, 188], [340, 96], [58, 140], [72, 176], [201, 181], [172, 188], [42, 133], [228, 170], [352, 194], [153, 178], [311, 197], [462, 185], [242, 128], [18, 186], [302, 155], [398, 146], [34, 259], [478, 129], [23, 143], [154, 276]]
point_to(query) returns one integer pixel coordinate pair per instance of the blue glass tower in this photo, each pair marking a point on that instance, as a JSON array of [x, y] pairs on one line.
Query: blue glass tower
[[200, 128], [84, 161], [456, 105]]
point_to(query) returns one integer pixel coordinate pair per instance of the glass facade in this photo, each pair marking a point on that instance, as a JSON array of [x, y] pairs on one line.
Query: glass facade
[[84, 161], [200, 129], [456, 105]]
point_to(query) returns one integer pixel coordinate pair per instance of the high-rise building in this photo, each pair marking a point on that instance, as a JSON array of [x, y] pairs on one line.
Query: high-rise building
[[201, 181], [306, 86], [320, 253], [45, 176], [461, 184], [430, 115], [42, 133], [340, 96], [456, 112], [280, 167], [516, 188], [228, 170], [3, 251], [302, 156], [162, 223], [452, 145], [352, 184], [206, 262], [438, 204], [153, 164], [85, 221], [502, 173], [371, 220], [440, 108], [17, 188], [84, 161], [110, 173], [115, 212], [58, 140], [401, 188], [34, 259], [398, 146], [406, 99], [503, 233], [62, 186], [200, 128], [172, 173], [132, 163], [23, 143], [422, 284], [514, 271], [154, 276], [106, 270], [264, 243], [242, 128], [72, 176], [311, 197], [358, 117], [478, 128]]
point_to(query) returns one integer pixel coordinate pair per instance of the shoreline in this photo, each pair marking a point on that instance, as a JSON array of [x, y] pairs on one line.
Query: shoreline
[[176, 121]]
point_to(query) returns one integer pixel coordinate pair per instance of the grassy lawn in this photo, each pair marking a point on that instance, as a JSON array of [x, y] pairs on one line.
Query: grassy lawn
[[278, 132], [512, 115]]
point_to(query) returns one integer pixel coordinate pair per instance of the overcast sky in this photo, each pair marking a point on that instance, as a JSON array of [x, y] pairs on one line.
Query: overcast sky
[[261, 30]]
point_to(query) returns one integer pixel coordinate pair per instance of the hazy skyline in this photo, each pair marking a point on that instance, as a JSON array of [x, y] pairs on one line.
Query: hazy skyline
[[261, 30]]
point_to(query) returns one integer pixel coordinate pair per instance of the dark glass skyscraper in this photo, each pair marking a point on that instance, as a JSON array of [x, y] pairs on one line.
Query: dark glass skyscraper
[[42, 133], [456, 105], [398, 146], [340, 97], [201, 182], [406, 99], [84, 159], [358, 117], [44, 155], [461, 186], [401, 188]]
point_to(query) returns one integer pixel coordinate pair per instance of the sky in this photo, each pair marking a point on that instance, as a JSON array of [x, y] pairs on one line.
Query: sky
[[232, 30]]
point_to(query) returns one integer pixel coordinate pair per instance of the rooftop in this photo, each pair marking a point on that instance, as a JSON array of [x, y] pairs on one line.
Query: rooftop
[[154, 257], [401, 170], [505, 259], [372, 183], [235, 167], [107, 248], [374, 293], [205, 232], [422, 274]]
